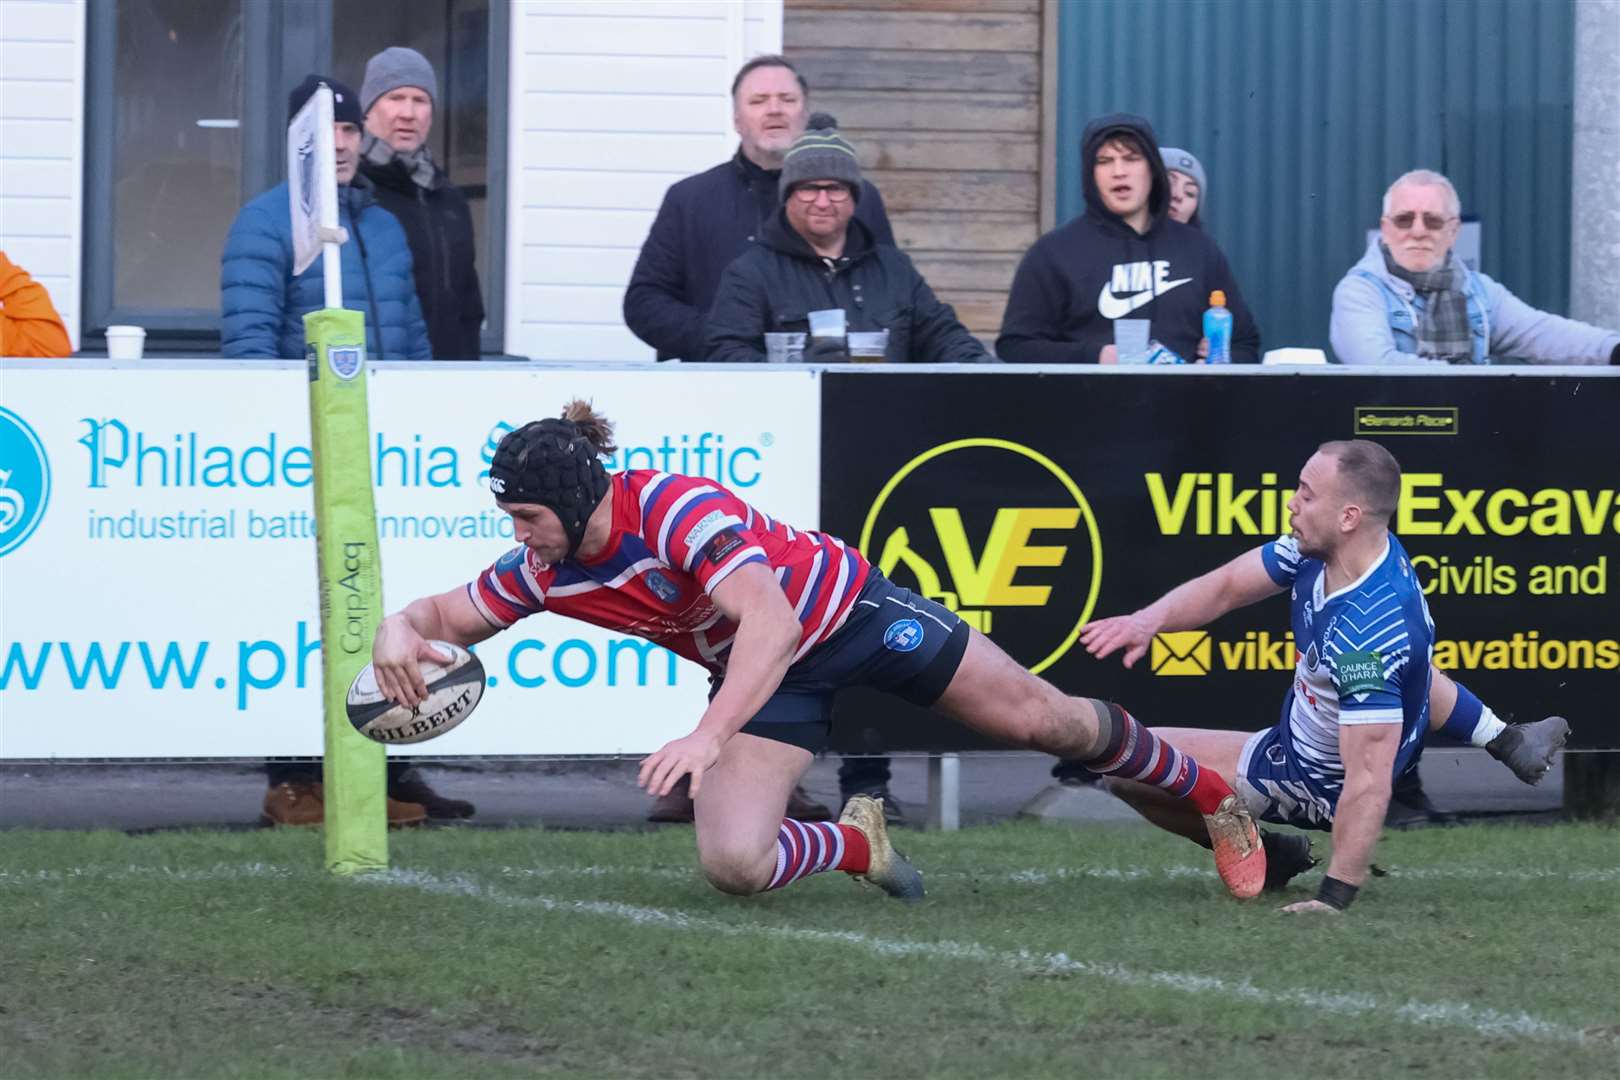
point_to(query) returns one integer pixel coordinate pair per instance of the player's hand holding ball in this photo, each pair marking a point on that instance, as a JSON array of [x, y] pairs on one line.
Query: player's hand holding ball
[[413, 689]]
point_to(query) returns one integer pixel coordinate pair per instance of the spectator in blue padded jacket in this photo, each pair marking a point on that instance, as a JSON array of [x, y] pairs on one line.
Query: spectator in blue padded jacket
[[709, 219], [262, 304]]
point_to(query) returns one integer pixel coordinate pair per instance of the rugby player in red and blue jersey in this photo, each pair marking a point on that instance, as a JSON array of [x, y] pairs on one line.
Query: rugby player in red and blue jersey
[[782, 618], [1364, 698]]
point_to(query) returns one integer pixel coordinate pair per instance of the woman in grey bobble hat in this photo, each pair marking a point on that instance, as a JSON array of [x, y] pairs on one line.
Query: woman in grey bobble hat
[[1188, 186], [399, 97]]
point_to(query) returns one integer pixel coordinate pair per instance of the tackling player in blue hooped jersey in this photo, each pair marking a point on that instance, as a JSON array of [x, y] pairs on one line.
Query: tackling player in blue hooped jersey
[[1364, 696]]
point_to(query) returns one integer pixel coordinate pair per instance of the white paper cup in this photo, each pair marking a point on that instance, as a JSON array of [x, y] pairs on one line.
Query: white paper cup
[[125, 342]]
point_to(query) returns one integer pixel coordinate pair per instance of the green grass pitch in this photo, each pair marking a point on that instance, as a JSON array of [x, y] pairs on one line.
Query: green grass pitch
[[1110, 951]]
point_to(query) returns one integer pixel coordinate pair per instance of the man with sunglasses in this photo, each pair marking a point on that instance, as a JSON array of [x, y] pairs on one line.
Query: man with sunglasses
[[1410, 300], [819, 276]]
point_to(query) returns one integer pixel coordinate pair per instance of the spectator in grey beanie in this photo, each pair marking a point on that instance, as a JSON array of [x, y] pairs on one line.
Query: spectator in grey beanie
[[815, 256], [398, 96], [821, 153], [1188, 186]]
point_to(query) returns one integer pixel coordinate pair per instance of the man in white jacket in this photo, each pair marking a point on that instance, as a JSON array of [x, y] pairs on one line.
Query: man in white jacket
[[1410, 300]]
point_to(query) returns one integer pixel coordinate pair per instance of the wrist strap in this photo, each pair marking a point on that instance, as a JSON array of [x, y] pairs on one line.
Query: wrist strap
[[1336, 894]]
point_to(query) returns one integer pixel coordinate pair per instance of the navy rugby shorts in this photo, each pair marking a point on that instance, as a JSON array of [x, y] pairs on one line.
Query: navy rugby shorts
[[893, 640]]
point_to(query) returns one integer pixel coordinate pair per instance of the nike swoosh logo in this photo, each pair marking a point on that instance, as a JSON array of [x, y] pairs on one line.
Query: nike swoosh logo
[[1110, 306]]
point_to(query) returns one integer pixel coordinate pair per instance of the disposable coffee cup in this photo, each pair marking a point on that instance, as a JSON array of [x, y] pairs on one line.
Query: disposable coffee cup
[[784, 348], [125, 342], [1131, 340]]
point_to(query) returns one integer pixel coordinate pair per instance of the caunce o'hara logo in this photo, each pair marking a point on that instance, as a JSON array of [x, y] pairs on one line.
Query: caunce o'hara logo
[[25, 480], [1025, 574]]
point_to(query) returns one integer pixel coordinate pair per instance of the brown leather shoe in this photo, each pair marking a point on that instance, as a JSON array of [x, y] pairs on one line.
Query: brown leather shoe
[[294, 802], [409, 787], [676, 807], [801, 807], [403, 814]]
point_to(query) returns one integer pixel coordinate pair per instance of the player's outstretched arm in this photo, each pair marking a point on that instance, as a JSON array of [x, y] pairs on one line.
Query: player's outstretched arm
[[402, 641], [767, 637], [1368, 751], [1192, 604]]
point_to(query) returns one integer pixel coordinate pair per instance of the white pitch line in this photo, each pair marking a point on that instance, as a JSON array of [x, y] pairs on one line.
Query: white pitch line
[[1491, 1022]]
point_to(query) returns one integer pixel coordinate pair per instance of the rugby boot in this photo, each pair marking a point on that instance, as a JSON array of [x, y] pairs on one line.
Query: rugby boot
[[1529, 749], [893, 813], [1287, 856], [410, 787], [801, 807], [1240, 857], [887, 869], [299, 803]]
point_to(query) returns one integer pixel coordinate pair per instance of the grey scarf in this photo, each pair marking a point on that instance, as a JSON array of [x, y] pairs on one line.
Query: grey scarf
[[418, 163], [1443, 332]]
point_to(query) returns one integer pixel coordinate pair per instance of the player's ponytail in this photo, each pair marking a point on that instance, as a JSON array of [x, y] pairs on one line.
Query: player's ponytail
[[598, 429]]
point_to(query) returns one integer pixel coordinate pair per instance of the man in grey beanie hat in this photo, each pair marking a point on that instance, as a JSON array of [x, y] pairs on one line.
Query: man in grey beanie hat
[[1188, 187], [821, 153], [816, 261], [398, 97]]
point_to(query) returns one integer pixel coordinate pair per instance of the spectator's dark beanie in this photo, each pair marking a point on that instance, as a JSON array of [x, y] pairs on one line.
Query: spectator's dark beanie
[[345, 106], [393, 68], [820, 154]]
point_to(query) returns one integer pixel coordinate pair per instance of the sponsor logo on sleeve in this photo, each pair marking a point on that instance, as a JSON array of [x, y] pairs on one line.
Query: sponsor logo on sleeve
[[707, 526], [722, 544], [1360, 672]]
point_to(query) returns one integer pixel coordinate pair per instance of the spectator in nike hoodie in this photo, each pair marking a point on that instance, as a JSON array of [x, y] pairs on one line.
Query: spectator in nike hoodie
[[1123, 258]]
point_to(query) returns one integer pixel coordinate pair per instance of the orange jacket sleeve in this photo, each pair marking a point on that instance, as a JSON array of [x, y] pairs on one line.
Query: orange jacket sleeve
[[29, 324]]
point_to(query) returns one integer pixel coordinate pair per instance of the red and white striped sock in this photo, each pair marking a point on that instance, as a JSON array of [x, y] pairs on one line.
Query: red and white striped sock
[[809, 847]]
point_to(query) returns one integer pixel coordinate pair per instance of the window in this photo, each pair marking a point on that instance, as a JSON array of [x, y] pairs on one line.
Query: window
[[187, 109]]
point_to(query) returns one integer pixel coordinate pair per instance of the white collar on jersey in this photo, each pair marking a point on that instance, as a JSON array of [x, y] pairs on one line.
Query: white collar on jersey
[[1318, 599]]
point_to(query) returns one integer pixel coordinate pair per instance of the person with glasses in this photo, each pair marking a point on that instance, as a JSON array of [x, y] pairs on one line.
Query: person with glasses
[[821, 285], [1410, 300]]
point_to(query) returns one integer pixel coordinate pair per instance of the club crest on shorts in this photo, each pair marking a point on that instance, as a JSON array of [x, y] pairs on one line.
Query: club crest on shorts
[[662, 587], [903, 635]]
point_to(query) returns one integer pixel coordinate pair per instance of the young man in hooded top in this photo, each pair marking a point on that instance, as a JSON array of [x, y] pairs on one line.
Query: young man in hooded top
[[1124, 258]]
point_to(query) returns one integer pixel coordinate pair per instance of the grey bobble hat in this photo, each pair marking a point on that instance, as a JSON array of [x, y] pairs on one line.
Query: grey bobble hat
[[393, 68], [1182, 161], [820, 154]]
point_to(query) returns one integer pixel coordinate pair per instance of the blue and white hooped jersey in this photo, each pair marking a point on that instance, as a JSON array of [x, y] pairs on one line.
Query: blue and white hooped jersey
[[1361, 657]]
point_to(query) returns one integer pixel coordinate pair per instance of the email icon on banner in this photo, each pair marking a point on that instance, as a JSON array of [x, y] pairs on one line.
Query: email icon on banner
[[1183, 652]]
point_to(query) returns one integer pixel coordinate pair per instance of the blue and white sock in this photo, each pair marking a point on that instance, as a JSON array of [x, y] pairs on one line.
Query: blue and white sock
[[1471, 721]]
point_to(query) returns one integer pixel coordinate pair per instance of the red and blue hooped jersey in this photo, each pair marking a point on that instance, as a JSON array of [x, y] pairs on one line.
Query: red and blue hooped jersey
[[674, 539]]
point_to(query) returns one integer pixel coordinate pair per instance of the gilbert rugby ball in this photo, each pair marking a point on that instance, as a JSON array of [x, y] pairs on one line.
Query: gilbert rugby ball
[[454, 690]]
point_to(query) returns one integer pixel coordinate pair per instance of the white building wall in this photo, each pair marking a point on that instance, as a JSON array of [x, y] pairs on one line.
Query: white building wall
[[611, 102], [42, 47]]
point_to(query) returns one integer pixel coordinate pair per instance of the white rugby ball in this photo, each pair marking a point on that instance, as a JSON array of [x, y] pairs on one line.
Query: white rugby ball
[[454, 690]]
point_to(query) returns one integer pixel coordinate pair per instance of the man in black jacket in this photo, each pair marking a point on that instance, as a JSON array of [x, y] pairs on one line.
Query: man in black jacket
[[1123, 258], [814, 259], [709, 219], [398, 98]]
